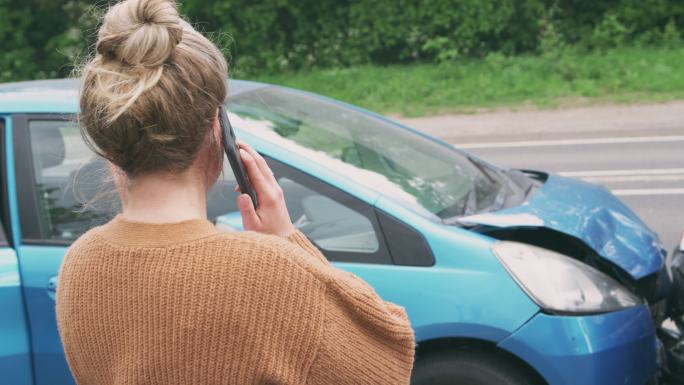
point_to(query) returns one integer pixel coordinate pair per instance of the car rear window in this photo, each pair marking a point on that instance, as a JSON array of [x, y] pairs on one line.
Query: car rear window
[[73, 189]]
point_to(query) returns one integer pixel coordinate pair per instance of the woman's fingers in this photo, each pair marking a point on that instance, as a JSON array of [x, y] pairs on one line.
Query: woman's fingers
[[250, 219], [261, 186], [271, 200], [261, 162]]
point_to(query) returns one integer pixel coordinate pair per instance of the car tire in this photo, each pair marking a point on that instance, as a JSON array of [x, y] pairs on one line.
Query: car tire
[[470, 367]]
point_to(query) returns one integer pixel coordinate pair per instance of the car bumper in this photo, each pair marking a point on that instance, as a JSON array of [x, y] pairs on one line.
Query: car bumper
[[613, 348]]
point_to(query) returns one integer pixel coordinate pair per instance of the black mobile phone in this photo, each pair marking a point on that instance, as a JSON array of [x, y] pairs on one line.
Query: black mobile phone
[[233, 154]]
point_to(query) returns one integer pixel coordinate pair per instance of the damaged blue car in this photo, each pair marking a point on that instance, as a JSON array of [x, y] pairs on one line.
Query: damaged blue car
[[508, 276]]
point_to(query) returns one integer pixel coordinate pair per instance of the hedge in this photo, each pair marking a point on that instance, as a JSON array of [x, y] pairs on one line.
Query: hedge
[[40, 38]]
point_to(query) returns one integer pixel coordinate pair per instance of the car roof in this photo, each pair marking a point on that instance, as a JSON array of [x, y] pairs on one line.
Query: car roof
[[61, 95]]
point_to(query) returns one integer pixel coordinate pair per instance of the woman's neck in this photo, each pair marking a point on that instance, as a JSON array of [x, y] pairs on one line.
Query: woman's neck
[[164, 198]]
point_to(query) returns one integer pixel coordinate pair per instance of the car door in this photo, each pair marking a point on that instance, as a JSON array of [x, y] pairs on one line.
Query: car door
[[384, 251], [15, 351], [63, 190], [55, 172]]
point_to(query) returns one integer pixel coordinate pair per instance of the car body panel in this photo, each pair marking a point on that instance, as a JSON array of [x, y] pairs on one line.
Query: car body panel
[[39, 267], [15, 351], [494, 305], [430, 294], [591, 214], [11, 180], [49, 96], [612, 348], [60, 96]]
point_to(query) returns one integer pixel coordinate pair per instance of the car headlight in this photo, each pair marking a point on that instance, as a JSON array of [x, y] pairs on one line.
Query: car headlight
[[560, 284]]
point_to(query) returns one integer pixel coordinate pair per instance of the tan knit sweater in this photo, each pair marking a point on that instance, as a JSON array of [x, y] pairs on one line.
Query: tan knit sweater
[[183, 304]]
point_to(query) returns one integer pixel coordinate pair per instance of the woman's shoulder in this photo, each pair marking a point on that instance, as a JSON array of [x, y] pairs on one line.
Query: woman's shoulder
[[86, 239], [271, 251]]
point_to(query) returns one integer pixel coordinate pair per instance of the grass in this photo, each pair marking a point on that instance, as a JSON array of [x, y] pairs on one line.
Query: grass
[[622, 75]]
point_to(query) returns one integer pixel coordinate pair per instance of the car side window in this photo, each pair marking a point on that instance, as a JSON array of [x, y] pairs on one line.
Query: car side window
[[67, 188], [343, 227], [73, 191]]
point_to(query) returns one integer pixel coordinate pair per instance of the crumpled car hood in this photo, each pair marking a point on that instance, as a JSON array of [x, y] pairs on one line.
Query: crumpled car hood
[[590, 213]]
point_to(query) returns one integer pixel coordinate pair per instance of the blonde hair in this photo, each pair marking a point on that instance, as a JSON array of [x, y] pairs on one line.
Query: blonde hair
[[149, 96]]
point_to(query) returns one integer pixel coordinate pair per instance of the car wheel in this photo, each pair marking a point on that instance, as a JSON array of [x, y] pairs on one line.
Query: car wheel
[[470, 367]]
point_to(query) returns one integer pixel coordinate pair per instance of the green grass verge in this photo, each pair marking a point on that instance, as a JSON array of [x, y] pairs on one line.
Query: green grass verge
[[622, 75]]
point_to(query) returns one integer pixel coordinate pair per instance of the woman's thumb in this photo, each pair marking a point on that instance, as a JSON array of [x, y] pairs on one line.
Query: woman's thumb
[[249, 215]]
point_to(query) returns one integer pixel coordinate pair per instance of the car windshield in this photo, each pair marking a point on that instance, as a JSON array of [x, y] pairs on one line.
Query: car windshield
[[429, 177]]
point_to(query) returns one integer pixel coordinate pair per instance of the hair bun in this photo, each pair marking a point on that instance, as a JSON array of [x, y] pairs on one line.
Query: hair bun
[[140, 32]]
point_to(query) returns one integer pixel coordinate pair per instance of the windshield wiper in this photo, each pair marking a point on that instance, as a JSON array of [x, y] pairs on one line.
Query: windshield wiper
[[481, 166], [501, 179]]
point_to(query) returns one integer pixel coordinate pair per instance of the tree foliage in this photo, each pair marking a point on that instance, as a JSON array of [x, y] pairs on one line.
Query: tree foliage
[[46, 38]]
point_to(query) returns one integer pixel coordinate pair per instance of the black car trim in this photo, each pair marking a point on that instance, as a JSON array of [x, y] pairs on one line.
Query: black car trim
[[406, 244], [45, 242]]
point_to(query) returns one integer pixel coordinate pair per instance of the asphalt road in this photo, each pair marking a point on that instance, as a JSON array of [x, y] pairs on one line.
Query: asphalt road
[[646, 172]]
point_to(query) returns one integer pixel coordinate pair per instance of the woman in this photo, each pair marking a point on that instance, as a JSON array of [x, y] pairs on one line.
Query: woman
[[157, 295]]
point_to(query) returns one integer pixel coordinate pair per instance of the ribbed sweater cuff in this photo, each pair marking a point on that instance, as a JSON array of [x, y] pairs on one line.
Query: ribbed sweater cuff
[[299, 239]]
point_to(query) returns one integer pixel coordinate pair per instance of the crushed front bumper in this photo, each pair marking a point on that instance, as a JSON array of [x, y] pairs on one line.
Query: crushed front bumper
[[671, 329], [612, 348]]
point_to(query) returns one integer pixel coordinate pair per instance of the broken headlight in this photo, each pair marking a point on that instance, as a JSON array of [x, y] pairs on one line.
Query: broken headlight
[[560, 284]]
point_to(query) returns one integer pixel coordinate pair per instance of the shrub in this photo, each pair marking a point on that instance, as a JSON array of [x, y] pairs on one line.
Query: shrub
[[40, 38]]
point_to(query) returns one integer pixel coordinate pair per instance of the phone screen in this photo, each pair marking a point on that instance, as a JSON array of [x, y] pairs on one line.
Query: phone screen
[[233, 154]]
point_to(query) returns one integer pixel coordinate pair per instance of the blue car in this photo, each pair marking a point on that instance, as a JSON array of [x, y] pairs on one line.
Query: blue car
[[508, 276]]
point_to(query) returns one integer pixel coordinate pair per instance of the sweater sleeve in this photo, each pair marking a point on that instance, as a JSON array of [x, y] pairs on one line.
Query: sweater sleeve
[[299, 239], [365, 340]]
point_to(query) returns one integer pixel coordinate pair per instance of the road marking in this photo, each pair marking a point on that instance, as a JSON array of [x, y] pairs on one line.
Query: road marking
[[636, 175], [573, 142], [647, 191], [633, 178], [647, 171]]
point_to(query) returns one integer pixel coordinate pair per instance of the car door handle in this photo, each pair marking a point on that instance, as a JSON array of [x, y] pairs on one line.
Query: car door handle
[[52, 286]]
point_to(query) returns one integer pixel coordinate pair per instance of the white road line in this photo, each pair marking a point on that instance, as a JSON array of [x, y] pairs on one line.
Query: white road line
[[633, 178], [636, 175], [571, 142], [646, 191], [647, 171]]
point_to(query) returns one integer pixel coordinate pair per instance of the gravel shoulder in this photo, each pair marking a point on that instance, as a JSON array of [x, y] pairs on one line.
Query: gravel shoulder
[[567, 123]]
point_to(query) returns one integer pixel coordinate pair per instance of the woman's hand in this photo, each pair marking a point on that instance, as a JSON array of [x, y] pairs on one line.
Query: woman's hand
[[271, 217]]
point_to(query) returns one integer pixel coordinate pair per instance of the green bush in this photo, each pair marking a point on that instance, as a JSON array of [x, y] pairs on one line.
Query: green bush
[[40, 38]]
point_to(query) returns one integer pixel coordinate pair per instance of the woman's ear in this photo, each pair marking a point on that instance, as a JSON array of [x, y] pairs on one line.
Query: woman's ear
[[216, 128], [214, 152], [218, 141]]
